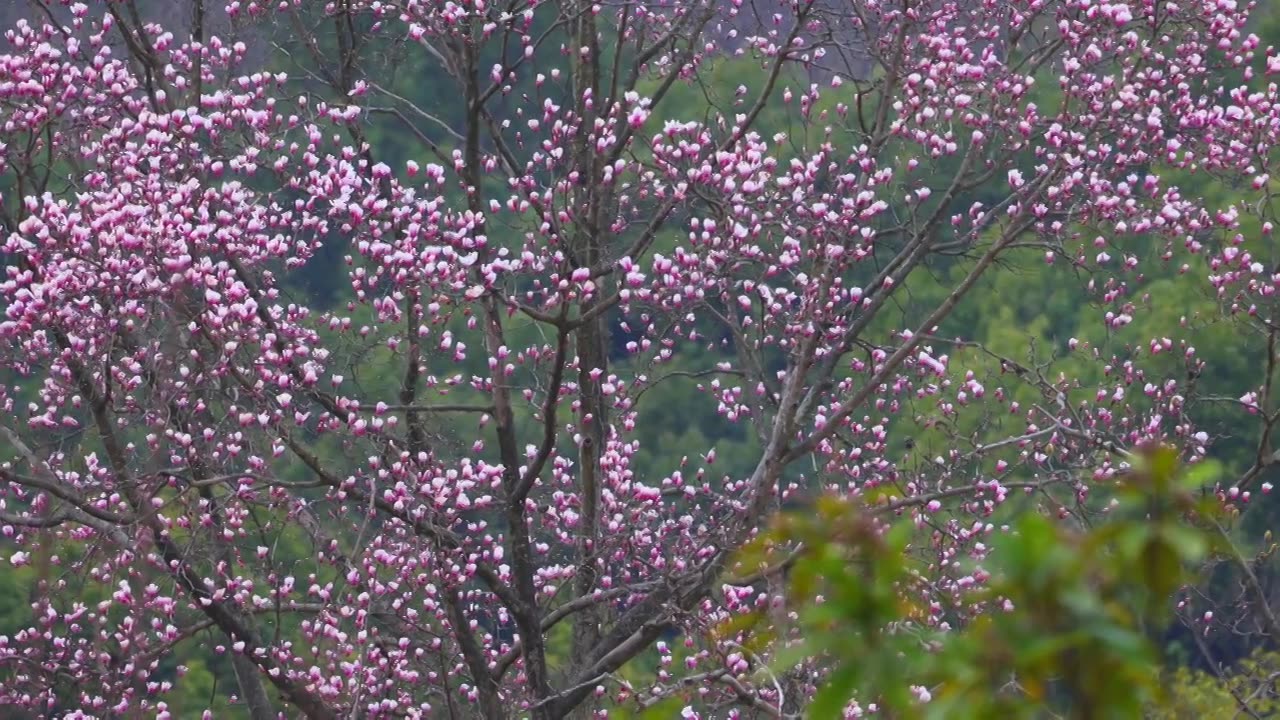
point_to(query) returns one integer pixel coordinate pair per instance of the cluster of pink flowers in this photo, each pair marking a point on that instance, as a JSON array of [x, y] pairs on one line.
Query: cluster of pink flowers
[[431, 475]]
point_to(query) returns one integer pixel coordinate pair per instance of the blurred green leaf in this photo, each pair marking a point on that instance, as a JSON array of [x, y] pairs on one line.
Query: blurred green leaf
[[1071, 594]]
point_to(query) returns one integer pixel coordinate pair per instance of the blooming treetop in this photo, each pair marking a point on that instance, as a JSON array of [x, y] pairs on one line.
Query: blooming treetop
[[392, 503]]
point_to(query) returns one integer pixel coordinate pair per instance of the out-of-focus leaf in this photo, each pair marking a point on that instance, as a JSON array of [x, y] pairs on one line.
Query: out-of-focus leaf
[[1078, 598]]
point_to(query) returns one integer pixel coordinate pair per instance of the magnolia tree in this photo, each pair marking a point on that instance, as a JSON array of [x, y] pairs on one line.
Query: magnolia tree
[[428, 495]]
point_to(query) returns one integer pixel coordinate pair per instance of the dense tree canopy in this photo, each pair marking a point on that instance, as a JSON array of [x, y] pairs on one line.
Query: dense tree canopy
[[374, 358]]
